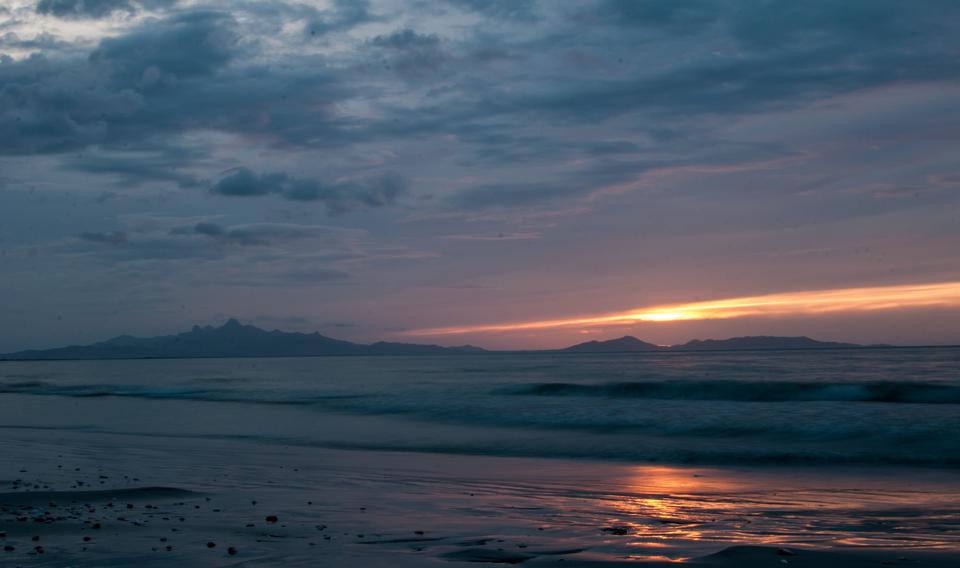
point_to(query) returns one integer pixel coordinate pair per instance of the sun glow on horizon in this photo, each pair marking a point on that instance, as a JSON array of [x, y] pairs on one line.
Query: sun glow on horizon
[[811, 302]]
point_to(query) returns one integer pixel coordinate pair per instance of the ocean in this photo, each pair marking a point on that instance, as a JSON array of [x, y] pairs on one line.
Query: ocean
[[871, 407]]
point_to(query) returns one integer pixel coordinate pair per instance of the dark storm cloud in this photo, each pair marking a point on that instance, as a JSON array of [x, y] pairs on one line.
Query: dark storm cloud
[[194, 71], [820, 53], [162, 79], [193, 44], [338, 197], [124, 93]]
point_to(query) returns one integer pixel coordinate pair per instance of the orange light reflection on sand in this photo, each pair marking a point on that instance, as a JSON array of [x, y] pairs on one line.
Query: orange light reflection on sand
[[664, 507], [668, 504], [945, 294]]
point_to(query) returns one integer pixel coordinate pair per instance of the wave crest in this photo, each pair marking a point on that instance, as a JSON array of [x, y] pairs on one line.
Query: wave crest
[[755, 391]]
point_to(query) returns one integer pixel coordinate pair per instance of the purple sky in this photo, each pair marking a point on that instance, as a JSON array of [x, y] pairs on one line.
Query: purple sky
[[372, 169]]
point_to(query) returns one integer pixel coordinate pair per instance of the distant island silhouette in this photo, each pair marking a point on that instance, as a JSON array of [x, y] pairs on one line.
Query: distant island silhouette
[[234, 339], [628, 343]]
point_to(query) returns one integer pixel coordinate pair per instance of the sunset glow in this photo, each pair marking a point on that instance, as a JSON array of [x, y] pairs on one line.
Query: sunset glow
[[813, 302]]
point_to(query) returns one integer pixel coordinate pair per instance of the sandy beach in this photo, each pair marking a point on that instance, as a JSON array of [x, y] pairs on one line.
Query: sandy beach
[[95, 499]]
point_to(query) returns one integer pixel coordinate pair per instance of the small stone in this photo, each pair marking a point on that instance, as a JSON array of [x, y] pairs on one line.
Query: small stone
[[8, 548], [272, 518], [211, 544], [616, 530], [232, 551]]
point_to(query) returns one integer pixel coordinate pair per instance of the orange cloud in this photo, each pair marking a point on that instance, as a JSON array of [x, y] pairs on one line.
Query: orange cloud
[[786, 303]]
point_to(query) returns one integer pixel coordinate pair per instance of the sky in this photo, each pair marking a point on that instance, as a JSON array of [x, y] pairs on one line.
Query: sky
[[506, 173]]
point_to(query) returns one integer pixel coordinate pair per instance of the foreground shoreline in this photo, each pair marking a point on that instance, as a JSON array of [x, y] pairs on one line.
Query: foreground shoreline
[[118, 500]]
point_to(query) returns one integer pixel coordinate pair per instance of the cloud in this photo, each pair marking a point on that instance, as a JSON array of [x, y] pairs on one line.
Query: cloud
[[39, 42], [208, 229], [519, 194], [151, 86], [93, 9], [406, 40], [260, 234], [267, 233], [338, 197], [410, 53], [162, 52], [313, 275], [112, 238], [165, 240], [134, 167], [522, 10], [244, 183], [344, 15], [686, 16], [83, 8], [160, 81], [525, 236]]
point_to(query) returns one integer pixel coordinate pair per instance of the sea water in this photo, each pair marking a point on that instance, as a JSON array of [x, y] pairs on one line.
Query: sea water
[[871, 407]]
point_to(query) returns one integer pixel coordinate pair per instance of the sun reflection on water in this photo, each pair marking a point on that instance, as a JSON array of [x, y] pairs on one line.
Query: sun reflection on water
[[665, 507]]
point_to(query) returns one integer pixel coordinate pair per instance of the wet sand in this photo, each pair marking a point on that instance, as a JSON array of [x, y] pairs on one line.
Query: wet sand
[[71, 498]]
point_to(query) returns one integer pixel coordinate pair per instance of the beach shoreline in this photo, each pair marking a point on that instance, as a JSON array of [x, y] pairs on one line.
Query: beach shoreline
[[363, 508]]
